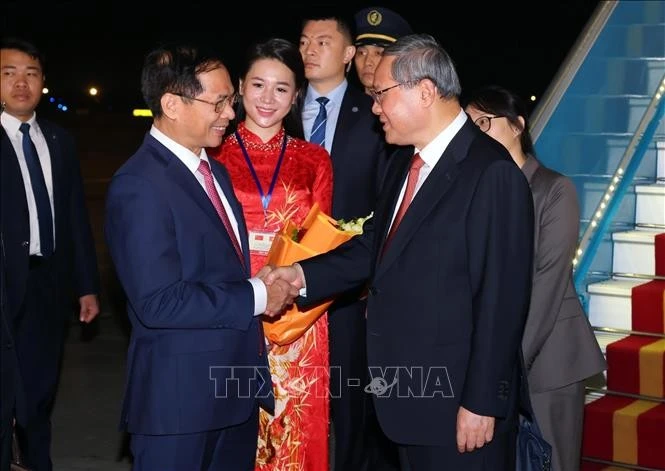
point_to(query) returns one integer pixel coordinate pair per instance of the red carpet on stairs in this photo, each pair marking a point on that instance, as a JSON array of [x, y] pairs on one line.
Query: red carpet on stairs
[[660, 254], [637, 365], [623, 429], [648, 307]]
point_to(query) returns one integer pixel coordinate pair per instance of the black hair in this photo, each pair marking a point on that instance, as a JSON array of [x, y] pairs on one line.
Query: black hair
[[500, 101], [288, 54]]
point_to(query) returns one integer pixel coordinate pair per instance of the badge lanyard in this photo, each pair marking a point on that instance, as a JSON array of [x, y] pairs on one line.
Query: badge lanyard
[[265, 197]]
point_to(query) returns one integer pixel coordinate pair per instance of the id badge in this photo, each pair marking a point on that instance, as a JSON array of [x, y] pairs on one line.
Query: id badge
[[260, 242]]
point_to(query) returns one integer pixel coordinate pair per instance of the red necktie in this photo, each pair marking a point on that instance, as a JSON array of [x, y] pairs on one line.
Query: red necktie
[[414, 171], [204, 169]]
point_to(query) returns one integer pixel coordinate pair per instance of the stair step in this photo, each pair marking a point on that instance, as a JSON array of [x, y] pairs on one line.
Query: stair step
[[650, 204], [625, 430], [635, 366], [610, 303], [624, 74], [606, 338], [634, 250], [592, 193], [634, 40], [598, 112], [607, 148]]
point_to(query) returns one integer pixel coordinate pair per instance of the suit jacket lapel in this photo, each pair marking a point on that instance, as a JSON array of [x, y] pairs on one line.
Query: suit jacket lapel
[[438, 182], [347, 119], [55, 152], [178, 172], [227, 188], [392, 186]]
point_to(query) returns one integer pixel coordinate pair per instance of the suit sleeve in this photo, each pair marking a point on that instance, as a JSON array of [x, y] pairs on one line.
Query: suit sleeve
[[86, 274], [559, 228], [500, 247], [342, 269], [142, 239]]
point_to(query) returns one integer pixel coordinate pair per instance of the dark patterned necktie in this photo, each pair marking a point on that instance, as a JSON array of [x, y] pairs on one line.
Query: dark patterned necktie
[[42, 200]]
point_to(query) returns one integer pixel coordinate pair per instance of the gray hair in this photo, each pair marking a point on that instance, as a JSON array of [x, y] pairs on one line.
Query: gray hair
[[420, 56]]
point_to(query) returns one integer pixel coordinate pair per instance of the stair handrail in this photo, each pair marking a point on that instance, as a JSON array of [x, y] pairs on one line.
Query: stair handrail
[[622, 178], [612, 392], [619, 464], [614, 330], [571, 64]]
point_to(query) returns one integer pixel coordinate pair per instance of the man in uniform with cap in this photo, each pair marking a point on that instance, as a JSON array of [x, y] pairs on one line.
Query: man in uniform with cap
[[376, 28]]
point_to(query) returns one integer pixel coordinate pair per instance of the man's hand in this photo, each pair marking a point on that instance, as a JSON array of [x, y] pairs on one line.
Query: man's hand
[[264, 271], [292, 274], [473, 430], [280, 295], [89, 308]]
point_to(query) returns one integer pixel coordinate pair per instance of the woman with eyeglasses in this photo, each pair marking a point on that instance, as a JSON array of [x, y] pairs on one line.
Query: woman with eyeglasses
[[559, 346], [277, 175]]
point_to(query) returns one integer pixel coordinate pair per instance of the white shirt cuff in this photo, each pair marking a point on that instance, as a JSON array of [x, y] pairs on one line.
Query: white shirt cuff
[[260, 296], [303, 291]]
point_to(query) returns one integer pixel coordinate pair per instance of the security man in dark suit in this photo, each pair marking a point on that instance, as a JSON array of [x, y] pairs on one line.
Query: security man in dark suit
[[354, 139], [49, 249], [8, 368]]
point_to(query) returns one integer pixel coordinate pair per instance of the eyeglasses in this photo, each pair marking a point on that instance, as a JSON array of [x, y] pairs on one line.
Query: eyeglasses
[[377, 95], [485, 122], [230, 100]]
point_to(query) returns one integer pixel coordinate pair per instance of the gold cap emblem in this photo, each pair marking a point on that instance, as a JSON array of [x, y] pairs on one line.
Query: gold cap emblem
[[374, 18]]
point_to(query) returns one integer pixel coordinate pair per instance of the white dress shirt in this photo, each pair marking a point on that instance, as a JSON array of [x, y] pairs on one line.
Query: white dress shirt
[[11, 125], [431, 154]]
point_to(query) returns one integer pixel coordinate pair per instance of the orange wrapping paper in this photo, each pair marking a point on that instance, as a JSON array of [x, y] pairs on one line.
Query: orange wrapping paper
[[320, 235]]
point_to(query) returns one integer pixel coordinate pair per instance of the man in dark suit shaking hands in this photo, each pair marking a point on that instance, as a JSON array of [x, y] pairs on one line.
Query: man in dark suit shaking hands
[[197, 364], [449, 272], [49, 249]]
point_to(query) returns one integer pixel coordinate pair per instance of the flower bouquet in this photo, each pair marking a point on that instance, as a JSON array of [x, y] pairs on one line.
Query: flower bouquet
[[318, 234]]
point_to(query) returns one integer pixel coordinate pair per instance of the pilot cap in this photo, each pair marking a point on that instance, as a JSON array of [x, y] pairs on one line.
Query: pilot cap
[[379, 26]]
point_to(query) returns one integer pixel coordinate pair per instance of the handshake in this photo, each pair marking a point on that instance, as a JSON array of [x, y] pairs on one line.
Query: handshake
[[283, 285]]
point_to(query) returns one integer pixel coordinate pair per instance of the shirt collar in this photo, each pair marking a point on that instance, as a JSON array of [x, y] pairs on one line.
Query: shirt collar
[[12, 123], [190, 159], [335, 95], [433, 151]]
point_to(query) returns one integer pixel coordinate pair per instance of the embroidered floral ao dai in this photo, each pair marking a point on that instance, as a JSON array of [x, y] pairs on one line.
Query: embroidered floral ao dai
[[296, 437]]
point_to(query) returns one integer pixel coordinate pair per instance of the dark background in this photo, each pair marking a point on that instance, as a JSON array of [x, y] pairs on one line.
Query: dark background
[[519, 45]]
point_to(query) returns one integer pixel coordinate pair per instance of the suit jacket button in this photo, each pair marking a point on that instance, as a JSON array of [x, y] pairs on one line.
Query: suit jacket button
[[503, 390], [373, 291], [25, 243]]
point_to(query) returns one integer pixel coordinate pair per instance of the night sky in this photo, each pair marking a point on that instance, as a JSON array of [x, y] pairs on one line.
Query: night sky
[[519, 45]]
